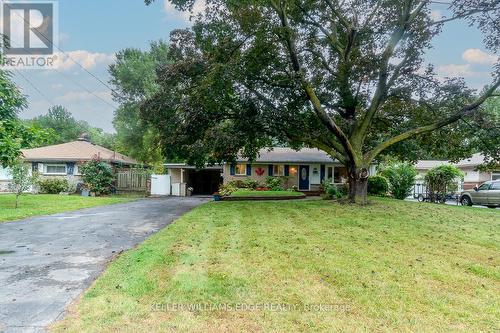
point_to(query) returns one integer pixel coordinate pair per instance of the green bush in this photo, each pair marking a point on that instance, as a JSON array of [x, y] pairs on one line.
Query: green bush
[[249, 183], [330, 190], [53, 185], [442, 180], [98, 176], [378, 185], [275, 183], [401, 177], [227, 189]]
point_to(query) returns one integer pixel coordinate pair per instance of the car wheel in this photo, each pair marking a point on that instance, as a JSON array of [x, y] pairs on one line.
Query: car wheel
[[466, 201], [420, 198]]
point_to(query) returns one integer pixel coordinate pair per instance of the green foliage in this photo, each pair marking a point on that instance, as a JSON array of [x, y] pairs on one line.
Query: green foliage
[[401, 177], [22, 180], [250, 183], [53, 185], [331, 190], [134, 78], [63, 127], [442, 180], [226, 189], [378, 185], [98, 176], [275, 183]]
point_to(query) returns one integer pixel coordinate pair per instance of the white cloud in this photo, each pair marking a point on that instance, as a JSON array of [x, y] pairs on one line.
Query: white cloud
[[436, 15], [198, 8], [453, 70], [86, 59], [477, 56]]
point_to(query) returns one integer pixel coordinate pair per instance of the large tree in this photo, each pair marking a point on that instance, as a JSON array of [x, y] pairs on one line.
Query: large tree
[[347, 77], [134, 79]]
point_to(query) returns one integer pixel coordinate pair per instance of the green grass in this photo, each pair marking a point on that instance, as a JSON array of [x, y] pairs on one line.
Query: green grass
[[45, 204], [392, 266], [250, 193]]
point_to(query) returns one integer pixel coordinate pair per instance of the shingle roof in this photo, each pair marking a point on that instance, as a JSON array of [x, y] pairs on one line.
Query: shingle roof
[[80, 150], [288, 155], [474, 161]]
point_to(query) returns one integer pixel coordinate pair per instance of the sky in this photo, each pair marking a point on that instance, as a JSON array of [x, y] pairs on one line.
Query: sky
[[92, 31]]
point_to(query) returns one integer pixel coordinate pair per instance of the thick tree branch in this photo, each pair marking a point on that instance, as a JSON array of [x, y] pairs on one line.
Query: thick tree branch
[[465, 111]]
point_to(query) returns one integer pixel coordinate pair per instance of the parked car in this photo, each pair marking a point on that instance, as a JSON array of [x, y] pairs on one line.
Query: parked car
[[488, 194]]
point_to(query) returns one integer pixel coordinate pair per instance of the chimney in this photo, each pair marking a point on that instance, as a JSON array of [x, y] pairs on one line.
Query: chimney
[[84, 137]]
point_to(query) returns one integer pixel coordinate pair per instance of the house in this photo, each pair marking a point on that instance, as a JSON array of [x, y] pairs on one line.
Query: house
[[469, 167], [5, 179], [65, 160], [305, 169]]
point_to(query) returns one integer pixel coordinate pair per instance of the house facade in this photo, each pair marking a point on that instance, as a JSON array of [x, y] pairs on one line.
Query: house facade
[[304, 169], [469, 167]]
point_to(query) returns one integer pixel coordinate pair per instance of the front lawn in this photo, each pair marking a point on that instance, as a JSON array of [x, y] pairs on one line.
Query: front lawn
[[251, 193], [45, 204], [303, 266]]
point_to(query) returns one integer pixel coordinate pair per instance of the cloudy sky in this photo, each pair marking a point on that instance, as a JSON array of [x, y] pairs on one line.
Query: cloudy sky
[[92, 31]]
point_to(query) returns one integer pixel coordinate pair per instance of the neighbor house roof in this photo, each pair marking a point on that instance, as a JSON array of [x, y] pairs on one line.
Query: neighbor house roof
[[474, 161], [288, 155], [81, 150]]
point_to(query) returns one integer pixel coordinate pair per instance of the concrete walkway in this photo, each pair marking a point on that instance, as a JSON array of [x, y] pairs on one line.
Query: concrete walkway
[[46, 262]]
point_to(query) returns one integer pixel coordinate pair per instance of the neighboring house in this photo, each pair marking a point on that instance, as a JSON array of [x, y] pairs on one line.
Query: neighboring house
[[65, 160], [469, 167], [305, 169], [5, 179]]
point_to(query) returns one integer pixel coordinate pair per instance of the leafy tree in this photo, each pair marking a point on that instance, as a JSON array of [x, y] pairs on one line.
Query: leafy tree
[[98, 176], [442, 180], [22, 180], [134, 79], [14, 135], [345, 77], [401, 177], [65, 128]]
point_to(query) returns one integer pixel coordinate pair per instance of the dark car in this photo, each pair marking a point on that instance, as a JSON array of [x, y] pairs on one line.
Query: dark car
[[488, 194]]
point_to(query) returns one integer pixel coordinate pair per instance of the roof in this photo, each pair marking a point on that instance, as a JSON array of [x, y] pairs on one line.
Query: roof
[[474, 161], [289, 155], [80, 150]]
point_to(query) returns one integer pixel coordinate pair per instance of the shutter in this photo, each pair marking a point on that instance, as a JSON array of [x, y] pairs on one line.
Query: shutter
[[249, 169], [270, 170], [70, 168], [322, 172], [232, 170], [287, 170]]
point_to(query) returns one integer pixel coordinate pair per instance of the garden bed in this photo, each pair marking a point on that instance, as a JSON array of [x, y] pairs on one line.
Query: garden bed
[[253, 195]]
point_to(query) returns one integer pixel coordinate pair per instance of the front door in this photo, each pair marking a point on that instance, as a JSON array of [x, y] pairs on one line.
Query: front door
[[304, 178]]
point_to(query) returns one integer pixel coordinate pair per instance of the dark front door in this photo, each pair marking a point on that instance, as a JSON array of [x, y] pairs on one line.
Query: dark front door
[[304, 178]]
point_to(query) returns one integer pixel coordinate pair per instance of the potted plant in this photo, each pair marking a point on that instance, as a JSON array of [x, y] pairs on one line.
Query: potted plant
[[217, 196]]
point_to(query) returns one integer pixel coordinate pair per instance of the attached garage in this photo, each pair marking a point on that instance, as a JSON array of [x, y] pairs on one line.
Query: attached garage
[[188, 180]]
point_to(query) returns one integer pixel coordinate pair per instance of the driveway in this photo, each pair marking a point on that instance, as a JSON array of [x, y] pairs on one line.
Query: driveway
[[46, 262]]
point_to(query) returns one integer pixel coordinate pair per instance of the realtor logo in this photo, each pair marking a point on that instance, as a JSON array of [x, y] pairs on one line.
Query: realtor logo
[[30, 36]]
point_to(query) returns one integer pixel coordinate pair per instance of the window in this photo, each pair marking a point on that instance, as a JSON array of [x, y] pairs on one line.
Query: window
[[495, 186], [278, 170], [340, 175], [329, 173], [240, 170], [484, 187], [495, 175], [55, 169]]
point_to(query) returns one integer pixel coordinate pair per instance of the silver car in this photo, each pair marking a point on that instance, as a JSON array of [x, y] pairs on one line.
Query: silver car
[[488, 194]]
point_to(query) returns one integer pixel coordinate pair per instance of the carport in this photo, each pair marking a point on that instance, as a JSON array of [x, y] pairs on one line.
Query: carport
[[203, 181]]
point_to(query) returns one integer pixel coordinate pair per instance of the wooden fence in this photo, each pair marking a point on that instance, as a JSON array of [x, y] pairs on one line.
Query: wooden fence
[[132, 181]]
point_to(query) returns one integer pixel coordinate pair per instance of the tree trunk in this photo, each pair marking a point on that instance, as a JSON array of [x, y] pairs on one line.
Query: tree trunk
[[358, 186], [17, 200]]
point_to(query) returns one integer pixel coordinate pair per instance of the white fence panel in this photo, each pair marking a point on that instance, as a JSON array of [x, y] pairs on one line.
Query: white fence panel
[[160, 185]]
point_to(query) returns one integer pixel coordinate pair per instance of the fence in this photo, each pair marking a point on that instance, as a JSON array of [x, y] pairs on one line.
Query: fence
[[132, 181]]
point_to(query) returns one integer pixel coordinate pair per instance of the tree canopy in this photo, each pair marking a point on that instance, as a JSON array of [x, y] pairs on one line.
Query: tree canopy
[[346, 77]]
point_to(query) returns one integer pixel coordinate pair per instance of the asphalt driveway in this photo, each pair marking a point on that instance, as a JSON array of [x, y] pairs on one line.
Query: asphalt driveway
[[46, 262]]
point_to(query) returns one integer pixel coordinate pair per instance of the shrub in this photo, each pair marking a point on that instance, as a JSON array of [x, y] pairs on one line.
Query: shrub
[[442, 180], [275, 183], [401, 177], [330, 190], [378, 185], [98, 176], [53, 185], [227, 189], [249, 183]]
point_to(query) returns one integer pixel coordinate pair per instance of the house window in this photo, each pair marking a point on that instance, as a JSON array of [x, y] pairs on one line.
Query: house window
[[329, 173], [340, 175], [278, 170], [240, 170], [55, 169], [495, 175]]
